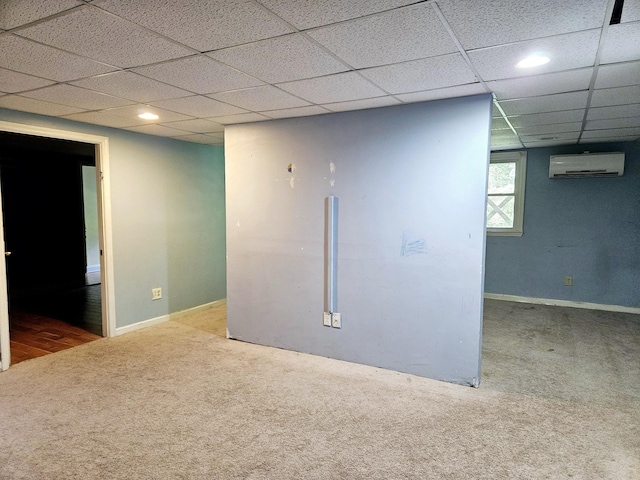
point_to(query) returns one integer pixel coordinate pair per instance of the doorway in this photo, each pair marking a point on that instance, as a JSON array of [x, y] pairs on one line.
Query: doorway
[[52, 267]]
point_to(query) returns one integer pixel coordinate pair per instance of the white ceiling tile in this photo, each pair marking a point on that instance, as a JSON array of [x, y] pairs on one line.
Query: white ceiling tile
[[537, 85], [549, 143], [25, 56], [426, 74], [621, 43], [295, 112], [567, 52], [266, 97], [504, 139], [13, 82], [132, 112], [76, 97], [198, 106], [196, 126], [611, 123], [24, 104], [241, 118], [547, 103], [105, 118], [362, 43], [203, 25], [132, 86], [549, 137], [482, 23], [362, 104], [618, 75], [158, 130], [314, 13], [340, 87], [199, 74], [199, 138], [618, 111], [91, 32], [628, 138], [630, 12], [499, 124], [440, 93], [616, 96], [547, 129], [566, 116], [618, 132], [20, 12], [281, 59]]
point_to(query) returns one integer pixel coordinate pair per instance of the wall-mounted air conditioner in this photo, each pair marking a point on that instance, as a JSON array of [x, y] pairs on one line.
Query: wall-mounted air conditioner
[[586, 165]]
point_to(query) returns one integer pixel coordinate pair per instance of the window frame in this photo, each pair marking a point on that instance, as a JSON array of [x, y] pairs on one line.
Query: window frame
[[520, 159]]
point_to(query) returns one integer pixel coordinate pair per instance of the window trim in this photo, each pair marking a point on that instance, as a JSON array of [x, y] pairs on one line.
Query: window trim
[[520, 159]]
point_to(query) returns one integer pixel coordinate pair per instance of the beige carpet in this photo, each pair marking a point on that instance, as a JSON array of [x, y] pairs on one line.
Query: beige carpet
[[178, 401]]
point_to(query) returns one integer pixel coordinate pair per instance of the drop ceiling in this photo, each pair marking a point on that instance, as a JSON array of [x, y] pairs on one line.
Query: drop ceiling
[[203, 64]]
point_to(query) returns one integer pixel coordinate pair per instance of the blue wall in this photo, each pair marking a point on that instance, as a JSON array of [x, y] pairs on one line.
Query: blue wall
[[402, 175], [168, 219], [588, 228]]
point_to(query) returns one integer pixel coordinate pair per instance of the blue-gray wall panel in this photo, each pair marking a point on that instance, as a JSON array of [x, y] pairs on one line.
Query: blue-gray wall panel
[[588, 228], [416, 172]]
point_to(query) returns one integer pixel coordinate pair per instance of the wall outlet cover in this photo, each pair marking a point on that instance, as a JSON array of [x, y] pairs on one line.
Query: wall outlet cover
[[336, 320], [326, 321], [156, 293]]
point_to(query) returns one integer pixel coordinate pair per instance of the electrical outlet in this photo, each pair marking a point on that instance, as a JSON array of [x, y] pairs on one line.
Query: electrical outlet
[[156, 293], [336, 320], [568, 281], [326, 321]]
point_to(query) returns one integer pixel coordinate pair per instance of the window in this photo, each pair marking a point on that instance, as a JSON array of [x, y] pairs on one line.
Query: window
[[505, 203]]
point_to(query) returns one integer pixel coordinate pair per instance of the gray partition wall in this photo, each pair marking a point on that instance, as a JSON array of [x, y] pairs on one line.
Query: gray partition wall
[[411, 187]]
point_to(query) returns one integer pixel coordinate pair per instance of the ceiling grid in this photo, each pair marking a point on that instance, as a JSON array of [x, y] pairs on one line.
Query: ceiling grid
[[203, 64]]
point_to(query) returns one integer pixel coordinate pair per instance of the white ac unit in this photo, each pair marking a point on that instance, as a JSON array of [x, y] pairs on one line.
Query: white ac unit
[[586, 165]]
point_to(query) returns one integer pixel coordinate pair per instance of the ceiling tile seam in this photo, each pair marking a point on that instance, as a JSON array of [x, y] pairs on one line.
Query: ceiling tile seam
[[550, 37], [114, 67], [381, 12], [350, 68], [76, 86], [151, 104], [50, 103], [596, 63], [532, 97], [48, 18], [143, 28], [470, 64]]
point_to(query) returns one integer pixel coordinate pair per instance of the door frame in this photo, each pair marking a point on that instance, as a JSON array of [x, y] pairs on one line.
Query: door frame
[[104, 231]]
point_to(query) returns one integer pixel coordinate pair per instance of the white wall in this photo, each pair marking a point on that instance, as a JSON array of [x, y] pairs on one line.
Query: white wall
[[90, 201], [414, 174]]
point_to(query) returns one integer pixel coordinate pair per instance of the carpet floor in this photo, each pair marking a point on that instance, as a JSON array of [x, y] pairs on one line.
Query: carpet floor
[[179, 401]]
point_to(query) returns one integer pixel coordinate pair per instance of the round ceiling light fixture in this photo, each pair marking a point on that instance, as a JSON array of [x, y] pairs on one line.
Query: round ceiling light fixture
[[148, 116], [531, 61]]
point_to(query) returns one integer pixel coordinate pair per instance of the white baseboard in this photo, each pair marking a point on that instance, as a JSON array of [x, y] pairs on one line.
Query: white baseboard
[[166, 318], [199, 308], [142, 324], [93, 268], [562, 303]]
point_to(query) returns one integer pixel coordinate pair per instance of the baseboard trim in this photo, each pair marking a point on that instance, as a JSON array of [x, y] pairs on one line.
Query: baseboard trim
[[562, 303], [198, 309], [93, 268], [143, 324], [165, 318]]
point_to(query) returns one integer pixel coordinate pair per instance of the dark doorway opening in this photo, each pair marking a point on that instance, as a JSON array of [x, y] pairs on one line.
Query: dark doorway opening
[[53, 305]]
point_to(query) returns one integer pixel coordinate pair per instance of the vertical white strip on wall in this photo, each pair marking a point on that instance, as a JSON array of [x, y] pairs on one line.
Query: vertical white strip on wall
[[331, 253]]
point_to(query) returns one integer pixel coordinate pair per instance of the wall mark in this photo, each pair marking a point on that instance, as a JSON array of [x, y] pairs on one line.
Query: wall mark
[[412, 246]]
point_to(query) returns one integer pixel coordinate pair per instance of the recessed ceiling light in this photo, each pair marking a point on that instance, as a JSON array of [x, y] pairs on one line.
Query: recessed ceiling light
[[148, 116], [534, 60]]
